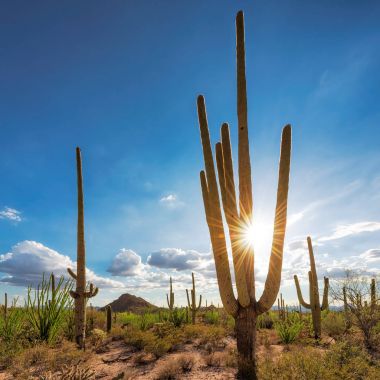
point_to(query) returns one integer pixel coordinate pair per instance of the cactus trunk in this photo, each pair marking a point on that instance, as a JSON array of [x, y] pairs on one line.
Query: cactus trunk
[[109, 317], [245, 328], [193, 304], [80, 294]]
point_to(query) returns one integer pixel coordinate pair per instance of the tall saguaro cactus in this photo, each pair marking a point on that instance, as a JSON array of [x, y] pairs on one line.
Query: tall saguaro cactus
[[193, 304], [81, 294], [314, 304], [170, 297], [238, 214]]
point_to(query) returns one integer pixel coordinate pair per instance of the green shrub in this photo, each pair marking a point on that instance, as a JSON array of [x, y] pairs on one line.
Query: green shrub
[[178, 317], [11, 322], [265, 321], [334, 324], [289, 330], [46, 307], [212, 317]]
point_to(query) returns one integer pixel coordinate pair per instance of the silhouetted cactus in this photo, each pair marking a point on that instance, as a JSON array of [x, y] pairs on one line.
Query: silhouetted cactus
[[238, 215], [193, 304], [170, 297], [373, 295], [81, 294], [109, 318], [314, 304]]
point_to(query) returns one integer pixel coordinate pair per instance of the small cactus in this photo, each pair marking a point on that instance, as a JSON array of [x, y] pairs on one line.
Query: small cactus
[[109, 317], [170, 297], [193, 304], [314, 304]]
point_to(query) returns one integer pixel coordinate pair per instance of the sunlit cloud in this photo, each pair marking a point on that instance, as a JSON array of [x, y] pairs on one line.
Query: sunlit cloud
[[343, 231]]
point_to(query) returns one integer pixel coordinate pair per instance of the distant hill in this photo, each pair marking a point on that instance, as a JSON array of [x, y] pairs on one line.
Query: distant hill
[[129, 302]]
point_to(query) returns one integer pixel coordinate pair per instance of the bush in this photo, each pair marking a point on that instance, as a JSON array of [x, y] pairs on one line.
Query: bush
[[334, 324], [212, 317], [168, 371], [265, 321], [186, 362], [178, 317], [289, 330]]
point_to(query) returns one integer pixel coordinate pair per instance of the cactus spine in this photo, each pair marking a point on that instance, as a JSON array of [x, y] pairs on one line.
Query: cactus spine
[[314, 304], [81, 295], [238, 214], [109, 317], [193, 304], [170, 297]]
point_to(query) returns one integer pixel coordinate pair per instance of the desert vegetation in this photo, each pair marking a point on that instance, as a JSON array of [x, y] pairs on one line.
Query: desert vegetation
[[56, 333]]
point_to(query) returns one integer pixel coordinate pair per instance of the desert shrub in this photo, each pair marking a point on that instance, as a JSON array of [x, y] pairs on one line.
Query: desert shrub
[[212, 317], [265, 321], [205, 334], [97, 337], [214, 359], [295, 365], [143, 321], [348, 361], [186, 362], [11, 323], [334, 324], [178, 317], [46, 307], [169, 370], [289, 330], [76, 372], [139, 339]]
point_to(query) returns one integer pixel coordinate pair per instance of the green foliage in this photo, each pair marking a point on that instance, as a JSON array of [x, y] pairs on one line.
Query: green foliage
[[265, 321], [334, 324], [289, 330], [178, 317], [47, 307], [11, 322], [212, 317]]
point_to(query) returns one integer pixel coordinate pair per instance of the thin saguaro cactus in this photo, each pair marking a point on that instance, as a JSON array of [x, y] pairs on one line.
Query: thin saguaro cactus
[[170, 297], [81, 294], [238, 215], [314, 304], [193, 303], [108, 318]]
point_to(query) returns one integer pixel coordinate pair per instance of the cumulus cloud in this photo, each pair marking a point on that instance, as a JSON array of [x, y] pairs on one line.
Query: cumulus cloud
[[11, 214], [27, 260], [371, 255], [126, 263], [343, 231], [175, 258]]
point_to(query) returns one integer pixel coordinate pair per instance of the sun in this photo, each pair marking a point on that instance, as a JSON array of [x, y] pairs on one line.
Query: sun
[[258, 235]]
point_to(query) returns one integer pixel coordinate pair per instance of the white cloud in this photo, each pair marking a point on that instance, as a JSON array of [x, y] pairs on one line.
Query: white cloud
[[343, 231], [11, 214], [28, 260], [126, 263], [171, 201], [371, 255]]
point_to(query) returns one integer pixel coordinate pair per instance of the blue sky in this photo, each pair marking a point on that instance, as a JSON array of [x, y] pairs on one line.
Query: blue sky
[[120, 80]]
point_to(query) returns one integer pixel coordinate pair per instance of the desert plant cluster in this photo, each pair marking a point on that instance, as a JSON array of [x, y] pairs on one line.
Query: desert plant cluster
[[58, 334]]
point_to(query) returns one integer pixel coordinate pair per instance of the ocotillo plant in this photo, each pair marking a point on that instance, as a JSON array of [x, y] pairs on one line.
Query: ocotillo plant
[[238, 215], [170, 297], [193, 304], [81, 294], [109, 318], [314, 304]]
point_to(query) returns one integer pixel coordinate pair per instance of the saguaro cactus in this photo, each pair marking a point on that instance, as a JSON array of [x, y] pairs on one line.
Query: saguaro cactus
[[81, 294], [314, 304], [373, 295], [238, 215], [193, 304], [109, 318], [170, 297]]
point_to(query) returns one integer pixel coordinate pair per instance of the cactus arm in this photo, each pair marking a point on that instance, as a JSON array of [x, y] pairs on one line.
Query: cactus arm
[[313, 271], [71, 273], [299, 294], [273, 280], [200, 302], [188, 299], [215, 221], [237, 247], [325, 301], [231, 211], [167, 300]]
